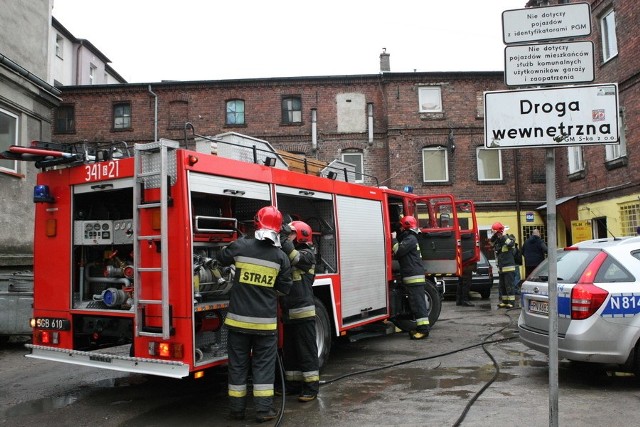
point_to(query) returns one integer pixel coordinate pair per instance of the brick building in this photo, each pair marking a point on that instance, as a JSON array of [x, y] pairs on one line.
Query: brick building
[[600, 185], [419, 129]]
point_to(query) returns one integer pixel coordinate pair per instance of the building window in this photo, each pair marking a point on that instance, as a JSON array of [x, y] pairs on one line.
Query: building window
[[630, 218], [609, 40], [122, 116], [92, 74], [430, 100], [59, 46], [291, 110], [576, 164], [489, 164], [8, 137], [616, 151], [527, 230], [65, 119], [235, 112], [435, 164], [355, 159]]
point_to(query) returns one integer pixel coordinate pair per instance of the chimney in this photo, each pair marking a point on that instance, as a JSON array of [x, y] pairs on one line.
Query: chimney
[[385, 64]]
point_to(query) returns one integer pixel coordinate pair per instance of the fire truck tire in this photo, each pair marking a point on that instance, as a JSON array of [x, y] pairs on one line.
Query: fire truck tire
[[4, 339], [323, 332], [434, 303]]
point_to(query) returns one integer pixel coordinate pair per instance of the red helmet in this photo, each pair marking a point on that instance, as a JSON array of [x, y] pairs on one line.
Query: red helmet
[[409, 223], [268, 218], [302, 230], [268, 222], [497, 227]]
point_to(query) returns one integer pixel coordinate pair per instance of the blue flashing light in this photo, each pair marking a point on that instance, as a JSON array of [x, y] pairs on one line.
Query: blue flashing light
[[42, 194], [408, 188]]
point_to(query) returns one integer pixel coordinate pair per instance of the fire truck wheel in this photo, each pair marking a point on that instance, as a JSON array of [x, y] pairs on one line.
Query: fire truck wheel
[[323, 332], [4, 339], [434, 304]]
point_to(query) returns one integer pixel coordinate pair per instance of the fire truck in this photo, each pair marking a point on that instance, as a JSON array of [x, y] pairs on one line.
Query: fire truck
[[125, 276]]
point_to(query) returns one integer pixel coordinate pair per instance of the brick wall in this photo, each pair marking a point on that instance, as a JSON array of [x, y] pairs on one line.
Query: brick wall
[[601, 177], [400, 131]]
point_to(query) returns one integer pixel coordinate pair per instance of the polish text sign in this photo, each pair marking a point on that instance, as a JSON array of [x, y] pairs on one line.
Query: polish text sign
[[552, 63], [563, 116], [546, 23]]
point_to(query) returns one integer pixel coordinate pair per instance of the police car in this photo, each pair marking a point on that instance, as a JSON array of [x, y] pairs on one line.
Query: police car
[[598, 303]]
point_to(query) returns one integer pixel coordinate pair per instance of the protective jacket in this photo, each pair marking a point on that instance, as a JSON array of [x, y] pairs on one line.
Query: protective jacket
[[261, 270], [407, 252], [503, 247], [299, 304]]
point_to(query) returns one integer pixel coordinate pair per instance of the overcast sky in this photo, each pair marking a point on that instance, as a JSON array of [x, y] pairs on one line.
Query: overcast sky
[[154, 40]]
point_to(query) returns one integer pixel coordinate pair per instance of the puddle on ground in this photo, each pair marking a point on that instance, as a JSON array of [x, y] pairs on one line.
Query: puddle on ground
[[39, 406]]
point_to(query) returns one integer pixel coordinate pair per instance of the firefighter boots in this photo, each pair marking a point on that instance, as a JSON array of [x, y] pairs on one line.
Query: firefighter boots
[[415, 335], [263, 416], [307, 397]]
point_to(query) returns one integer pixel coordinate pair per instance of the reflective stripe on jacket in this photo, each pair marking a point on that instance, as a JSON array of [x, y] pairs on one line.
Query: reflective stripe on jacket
[[300, 303], [261, 270]]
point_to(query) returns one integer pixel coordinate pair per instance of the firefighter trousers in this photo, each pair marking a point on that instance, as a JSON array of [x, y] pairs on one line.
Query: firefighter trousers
[[300, 357], [258, 353], [418, 305], [507, 288]]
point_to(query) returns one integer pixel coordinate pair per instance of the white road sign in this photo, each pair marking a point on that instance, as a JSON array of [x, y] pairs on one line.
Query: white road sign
[[546, 23], [551, 63], [563, 116]]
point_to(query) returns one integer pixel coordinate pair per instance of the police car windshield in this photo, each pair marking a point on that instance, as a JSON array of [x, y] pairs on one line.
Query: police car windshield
[[571, 265]]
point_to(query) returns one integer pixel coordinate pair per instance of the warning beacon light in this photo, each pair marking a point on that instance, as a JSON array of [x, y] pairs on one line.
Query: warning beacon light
[[42, 194], [408, 188]]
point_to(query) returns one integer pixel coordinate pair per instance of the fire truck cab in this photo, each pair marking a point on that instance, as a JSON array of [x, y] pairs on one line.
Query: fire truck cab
[[125, 274]]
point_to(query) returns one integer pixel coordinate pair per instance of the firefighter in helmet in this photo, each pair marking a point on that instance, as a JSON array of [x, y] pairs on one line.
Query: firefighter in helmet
[[300, 350], [503, 245], [262, 272], [407, 251]]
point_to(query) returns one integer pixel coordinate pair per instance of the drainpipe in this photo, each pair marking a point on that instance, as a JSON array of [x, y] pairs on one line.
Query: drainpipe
[[314, 129], [155, 115], [78, 62], [370, 121]]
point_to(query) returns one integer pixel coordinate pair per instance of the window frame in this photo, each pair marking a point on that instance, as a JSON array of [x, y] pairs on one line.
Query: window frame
[[358, 175], [445, 160], [608, 29], [629, 217], [114, 117], [479, 163], [16, 139], [575, 155], [614, 152], [59, 46], [287, 112], [235, 113], [92, 74], [438, 108], [69, 119]]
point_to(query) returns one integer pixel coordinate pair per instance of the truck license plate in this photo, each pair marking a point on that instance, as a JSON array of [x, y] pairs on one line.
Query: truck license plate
[[52, 323], [539, 307]]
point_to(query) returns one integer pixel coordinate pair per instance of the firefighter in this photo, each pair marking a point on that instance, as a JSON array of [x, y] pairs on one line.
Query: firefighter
[[300, 359], [407, 251], [262, 272], [503, 245]]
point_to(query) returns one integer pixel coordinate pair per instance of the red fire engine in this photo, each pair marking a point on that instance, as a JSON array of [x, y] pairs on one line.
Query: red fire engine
[[125, 275]]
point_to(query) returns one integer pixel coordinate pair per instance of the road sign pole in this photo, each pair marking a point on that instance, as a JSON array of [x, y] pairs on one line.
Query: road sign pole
[[553, 285]]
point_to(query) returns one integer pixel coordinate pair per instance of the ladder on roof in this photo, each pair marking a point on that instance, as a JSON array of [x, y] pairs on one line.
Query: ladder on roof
[[155, 167]]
